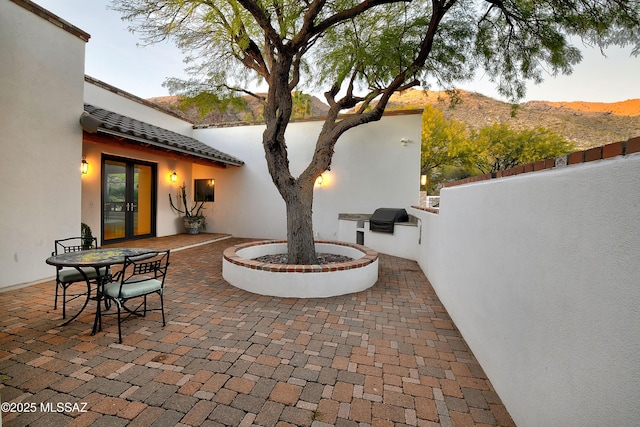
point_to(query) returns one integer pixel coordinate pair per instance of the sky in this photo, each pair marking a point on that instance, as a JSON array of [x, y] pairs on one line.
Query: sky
[[114, 55]]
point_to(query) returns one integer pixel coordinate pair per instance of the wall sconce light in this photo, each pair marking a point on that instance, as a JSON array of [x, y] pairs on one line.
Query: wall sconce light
[[404, 142], [319, 180], [84, 166], [423, 179], [212, 183], [174, 176]]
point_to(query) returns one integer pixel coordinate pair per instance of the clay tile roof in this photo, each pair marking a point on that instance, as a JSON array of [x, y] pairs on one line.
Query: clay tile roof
[[117, 124]]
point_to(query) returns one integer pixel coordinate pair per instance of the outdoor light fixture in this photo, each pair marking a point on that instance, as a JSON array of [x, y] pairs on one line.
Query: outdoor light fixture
[[404, 142], [84, 166], [319, 180], [423, 179], [212, 183], [174, 176]]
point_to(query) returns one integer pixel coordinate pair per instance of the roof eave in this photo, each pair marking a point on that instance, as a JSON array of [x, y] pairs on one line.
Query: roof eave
[[162, 146], [98, 120]]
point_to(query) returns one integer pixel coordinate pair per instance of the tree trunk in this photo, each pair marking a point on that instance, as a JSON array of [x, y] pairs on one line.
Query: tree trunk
[[300, 243], [297, 193]]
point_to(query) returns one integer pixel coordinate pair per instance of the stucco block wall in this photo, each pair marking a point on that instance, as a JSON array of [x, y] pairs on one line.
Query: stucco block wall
[[371, 168], [41, 141], [540, 273]]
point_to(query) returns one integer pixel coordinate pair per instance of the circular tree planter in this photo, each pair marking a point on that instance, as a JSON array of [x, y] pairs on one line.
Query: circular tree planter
[[241, 270]]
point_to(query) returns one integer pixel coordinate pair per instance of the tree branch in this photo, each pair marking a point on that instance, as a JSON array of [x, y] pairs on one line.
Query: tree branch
[[260, 98], [349, 14], [264, 22]]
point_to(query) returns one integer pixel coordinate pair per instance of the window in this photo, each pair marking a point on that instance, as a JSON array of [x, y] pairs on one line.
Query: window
[[204, 190]]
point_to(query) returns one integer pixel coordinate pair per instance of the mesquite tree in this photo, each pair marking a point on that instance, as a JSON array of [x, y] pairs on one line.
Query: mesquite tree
[[362, 51]]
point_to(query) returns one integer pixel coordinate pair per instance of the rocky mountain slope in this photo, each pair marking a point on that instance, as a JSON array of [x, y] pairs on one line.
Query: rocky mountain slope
[[587, 124]]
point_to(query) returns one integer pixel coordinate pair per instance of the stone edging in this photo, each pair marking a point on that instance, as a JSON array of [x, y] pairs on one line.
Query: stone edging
[[230, 254]]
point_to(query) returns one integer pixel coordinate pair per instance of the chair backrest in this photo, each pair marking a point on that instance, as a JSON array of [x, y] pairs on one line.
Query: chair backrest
[[74, 244], [138, 268]]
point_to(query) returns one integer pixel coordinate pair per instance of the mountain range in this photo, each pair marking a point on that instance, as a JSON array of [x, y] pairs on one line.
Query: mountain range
[[586, 124]]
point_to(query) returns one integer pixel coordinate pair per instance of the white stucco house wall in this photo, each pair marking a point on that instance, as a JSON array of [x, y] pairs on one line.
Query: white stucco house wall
[[41, 96], [371, 168]]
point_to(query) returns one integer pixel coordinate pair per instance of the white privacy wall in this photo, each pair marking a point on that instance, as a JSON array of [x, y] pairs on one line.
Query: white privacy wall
[[41, 75], [541, 274], [371, 169]]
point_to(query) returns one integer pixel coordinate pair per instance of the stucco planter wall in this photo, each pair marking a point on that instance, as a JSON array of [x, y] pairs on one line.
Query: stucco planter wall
[[300, 281]]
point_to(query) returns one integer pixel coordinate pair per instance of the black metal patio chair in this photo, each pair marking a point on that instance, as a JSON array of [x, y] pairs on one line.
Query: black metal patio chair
[[65, 277], [141, 275]]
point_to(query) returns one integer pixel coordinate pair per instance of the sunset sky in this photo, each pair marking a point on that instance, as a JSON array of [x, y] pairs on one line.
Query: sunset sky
[[113, 56]]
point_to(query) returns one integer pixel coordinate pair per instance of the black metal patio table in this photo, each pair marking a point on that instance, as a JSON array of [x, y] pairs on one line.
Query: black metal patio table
[[95, 258]]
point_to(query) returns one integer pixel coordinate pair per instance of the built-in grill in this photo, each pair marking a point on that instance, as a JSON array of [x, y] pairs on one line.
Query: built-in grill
[[383, 220]]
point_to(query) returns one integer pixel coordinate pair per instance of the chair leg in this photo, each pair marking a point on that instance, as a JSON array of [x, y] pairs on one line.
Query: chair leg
[[64, 301], [119, 324], [121, 306], [162, 309], [55, 301]]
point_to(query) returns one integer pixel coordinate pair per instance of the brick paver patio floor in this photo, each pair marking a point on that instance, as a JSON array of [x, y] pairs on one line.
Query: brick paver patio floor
[[389, 356]]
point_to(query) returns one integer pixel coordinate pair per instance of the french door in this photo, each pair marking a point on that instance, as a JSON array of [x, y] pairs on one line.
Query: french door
[[128, 199]]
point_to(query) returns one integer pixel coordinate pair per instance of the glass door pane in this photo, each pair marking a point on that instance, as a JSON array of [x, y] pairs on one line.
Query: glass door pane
[[115, 193], [129, 198], [142, 191]]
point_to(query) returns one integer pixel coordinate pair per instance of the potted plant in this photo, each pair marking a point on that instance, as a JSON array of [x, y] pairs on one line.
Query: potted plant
[[193, 220], [86, 236]]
